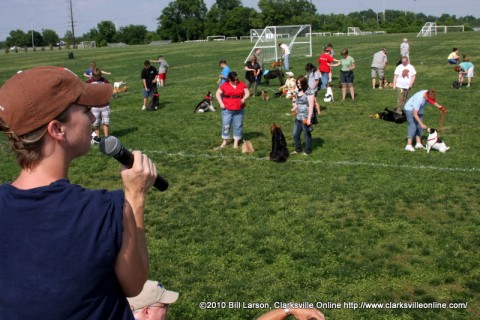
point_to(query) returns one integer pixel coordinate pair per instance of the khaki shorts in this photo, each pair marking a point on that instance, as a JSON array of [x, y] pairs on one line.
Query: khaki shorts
[[377, 72]]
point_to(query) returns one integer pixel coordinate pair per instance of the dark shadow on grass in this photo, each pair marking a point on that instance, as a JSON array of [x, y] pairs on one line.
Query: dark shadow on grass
[[252, 135], [317, 143], [123, 132], [163, 104]]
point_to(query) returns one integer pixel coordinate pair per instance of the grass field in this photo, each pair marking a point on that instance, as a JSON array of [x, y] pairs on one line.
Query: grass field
[[358, 220]]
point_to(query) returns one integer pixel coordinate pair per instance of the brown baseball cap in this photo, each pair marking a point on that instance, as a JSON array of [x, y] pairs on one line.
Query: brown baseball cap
[[32, 98]]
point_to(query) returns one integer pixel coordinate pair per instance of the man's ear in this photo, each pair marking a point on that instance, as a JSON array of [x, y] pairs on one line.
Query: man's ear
[[56, 130]]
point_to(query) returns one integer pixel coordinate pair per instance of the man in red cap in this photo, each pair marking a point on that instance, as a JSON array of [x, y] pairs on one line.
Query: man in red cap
[[66, 252]]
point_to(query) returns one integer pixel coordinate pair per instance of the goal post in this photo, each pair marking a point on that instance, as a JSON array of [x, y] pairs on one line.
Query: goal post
[[87, 44], [215, 38], [297, 37]]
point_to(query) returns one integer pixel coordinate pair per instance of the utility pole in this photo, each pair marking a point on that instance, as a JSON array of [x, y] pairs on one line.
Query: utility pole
[[33, 42], [383, 10], [72, 23]]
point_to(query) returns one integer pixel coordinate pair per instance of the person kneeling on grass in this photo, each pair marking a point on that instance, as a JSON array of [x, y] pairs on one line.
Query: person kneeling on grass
[[414, 110]]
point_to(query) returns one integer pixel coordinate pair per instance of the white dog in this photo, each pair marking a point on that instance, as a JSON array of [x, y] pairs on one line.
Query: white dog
[[435, 142], [329, 95], [118, 84]]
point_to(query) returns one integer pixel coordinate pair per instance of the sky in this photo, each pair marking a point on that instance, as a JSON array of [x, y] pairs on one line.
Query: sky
[[55, 14]]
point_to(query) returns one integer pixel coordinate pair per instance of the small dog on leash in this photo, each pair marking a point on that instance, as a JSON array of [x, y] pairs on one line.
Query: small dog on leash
[[277, 64], [435, 142], [329, 94], [265, 95], [279, 152], [247, 147], [206, 104]]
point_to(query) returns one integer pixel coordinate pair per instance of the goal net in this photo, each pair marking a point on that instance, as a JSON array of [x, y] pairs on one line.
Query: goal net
[[215, 38], [87, 44], [297, 37]]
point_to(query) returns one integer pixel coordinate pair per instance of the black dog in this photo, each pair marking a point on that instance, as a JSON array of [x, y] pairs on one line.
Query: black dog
[[155, 102], [279, 151], [272, 74], [389, 115], [456, 85], [206, 104]]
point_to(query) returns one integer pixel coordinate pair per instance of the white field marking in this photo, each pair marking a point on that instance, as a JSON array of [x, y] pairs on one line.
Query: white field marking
[[345, 163]]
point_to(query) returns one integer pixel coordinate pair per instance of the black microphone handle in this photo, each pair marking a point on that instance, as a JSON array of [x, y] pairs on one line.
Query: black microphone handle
[[126, 158]]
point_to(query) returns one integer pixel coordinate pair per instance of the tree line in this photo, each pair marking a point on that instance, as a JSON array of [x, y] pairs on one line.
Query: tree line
[[183, 20]]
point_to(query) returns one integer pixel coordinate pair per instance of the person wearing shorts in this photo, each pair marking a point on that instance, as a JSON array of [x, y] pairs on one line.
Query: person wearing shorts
[[102, 114], [403, 80], [466, 70], [379, 63], [162, 70], [148, 76], [346, 74]]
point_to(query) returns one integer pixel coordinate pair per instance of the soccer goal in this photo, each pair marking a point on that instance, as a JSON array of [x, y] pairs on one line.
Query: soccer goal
[[431, 28], [215, 38], [297, 37], [87, 44], [354, 31]]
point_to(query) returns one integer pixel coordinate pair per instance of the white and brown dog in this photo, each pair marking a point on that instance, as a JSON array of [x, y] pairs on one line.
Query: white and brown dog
[[435, 142], [119, 87], [329, 94]]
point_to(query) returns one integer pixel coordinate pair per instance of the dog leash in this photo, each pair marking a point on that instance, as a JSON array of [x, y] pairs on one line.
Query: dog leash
[[442, 117]]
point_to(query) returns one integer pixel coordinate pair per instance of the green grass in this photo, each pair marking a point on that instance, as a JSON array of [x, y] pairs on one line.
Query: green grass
[[358, 220]]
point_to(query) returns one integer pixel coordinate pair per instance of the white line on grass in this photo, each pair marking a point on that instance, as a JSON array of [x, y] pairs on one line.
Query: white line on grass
[[335, 163]]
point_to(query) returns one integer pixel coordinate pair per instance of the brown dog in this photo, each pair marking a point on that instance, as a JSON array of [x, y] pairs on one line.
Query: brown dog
[[247, 147], [277, 64], [265, 95]]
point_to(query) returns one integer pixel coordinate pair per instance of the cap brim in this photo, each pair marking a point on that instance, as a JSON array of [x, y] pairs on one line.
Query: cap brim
[[95, 94], [169, 297]]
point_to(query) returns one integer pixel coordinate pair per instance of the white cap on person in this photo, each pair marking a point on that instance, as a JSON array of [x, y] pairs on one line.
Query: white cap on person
[[152, 292]]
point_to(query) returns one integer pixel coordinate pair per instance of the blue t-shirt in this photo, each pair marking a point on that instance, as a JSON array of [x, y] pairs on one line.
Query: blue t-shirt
[[58, 246], [466, 65], [417, 102], [224, 74]]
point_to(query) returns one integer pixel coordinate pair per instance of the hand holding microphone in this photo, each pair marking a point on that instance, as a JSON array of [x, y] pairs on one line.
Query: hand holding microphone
[[110, 146]]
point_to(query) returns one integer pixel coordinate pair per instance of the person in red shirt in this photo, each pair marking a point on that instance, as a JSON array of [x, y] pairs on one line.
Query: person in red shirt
[[325, 61], [231, 96]]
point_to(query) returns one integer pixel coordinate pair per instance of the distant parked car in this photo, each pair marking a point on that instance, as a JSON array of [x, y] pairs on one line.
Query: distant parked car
[[15, 48], [60, 44]]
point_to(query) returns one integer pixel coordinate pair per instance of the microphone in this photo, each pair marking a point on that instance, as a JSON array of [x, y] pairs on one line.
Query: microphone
[[110, 146]]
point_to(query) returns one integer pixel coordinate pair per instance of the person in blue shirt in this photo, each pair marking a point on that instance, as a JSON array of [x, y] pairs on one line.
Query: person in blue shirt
[[414, 112], [223, 77], [465, 70]]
